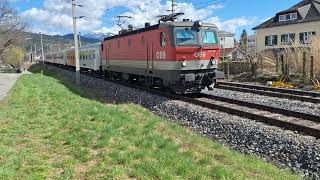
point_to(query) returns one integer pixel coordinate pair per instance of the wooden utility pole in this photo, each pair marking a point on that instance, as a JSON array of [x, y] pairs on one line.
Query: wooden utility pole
[[304, 61], [76, 44], [312, 67]]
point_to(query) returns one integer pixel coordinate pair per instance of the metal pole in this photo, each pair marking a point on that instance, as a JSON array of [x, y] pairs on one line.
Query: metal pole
[[35, 51], [172, 8], [224, 54], [76, 45], [80, 39], [42, 52], [31, 51]]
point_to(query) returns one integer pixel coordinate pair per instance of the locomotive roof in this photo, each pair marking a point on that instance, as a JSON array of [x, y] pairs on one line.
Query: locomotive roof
[[164, 24]]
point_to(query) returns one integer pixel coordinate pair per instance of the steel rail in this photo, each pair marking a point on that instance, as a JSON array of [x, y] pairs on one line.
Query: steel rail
[[304, 96]]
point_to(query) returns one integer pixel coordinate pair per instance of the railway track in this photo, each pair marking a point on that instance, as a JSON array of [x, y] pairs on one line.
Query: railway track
[[304, 96], [304, 123]]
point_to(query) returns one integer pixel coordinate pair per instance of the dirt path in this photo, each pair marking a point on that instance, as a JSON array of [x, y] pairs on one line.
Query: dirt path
[[6, 83]]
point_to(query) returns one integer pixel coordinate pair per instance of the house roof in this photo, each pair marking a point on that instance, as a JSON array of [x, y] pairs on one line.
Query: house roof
[[222, 33], [308, 11]]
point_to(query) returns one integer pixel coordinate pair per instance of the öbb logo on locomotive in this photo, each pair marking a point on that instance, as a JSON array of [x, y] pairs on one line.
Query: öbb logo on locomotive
[[179, 56], [200, 54]]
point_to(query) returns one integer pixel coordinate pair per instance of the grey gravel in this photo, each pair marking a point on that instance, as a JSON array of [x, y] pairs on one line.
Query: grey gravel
[[286, 149], [289, 104]]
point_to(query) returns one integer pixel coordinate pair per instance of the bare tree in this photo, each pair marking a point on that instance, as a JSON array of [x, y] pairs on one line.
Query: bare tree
[[11, 28]]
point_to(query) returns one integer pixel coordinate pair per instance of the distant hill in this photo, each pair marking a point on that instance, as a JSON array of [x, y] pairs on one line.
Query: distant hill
[[99, 36], [53, 42], [84, 39]]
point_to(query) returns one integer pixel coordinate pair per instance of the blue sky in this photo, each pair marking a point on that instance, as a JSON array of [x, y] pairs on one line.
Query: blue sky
[[53, 16]]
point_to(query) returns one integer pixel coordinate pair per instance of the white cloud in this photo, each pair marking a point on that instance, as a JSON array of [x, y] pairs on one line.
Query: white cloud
[[55, 15], [231, 25]]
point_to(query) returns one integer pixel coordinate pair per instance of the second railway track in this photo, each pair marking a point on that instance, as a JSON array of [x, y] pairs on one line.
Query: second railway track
[[304, 96]]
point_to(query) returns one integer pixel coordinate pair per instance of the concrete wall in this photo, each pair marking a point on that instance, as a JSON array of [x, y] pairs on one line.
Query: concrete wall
[[294, 28]]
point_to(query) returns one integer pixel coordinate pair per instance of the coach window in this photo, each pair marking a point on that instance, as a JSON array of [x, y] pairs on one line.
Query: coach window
[[163, 39]]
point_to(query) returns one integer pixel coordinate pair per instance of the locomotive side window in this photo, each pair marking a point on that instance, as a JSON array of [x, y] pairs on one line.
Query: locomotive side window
[[142, 40], [129, 42], [101, 47], [163, 39]]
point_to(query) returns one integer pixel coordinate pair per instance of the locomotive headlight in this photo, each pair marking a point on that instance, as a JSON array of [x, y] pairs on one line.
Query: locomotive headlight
[[213, 61], [184, 63], [198, 23]]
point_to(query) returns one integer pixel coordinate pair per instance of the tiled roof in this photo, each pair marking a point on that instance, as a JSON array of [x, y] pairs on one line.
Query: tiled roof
[[308, 10]]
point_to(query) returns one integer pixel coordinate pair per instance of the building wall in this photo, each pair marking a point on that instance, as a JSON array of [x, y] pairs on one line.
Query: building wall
[[227, 43], [293, 28]]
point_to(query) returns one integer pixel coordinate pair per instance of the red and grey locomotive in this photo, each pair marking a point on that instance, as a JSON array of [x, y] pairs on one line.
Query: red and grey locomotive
[[182, 56]]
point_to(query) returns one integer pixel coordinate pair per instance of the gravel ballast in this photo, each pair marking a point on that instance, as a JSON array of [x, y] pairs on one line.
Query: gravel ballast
[[285, 149]]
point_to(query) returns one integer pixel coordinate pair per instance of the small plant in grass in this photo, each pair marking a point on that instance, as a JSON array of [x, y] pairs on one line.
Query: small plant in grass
[[282, 83], [316, 84]]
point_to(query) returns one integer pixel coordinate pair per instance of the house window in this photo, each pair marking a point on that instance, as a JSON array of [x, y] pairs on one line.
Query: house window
[[288, 17], [288, 39], [306, 37], [271, 40]]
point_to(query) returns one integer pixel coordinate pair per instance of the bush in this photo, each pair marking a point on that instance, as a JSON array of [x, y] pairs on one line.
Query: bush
[[14, 57], [10, 70]]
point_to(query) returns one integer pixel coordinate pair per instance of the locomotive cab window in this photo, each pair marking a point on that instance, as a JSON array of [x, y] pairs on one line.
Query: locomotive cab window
[[186, 36], [162, 39], [209, 37]]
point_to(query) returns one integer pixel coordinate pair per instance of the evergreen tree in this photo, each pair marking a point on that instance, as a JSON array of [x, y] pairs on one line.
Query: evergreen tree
[[243, 44]]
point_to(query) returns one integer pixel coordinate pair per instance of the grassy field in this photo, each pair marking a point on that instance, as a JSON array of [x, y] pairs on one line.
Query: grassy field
[[49, 131]]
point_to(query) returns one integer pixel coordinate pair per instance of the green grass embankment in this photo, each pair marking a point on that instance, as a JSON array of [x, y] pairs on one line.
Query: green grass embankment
[[49, 131]]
